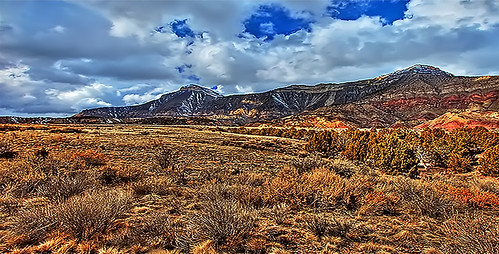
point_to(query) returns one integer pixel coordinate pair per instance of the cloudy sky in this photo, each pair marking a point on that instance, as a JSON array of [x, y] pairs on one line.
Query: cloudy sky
[[59, 57]]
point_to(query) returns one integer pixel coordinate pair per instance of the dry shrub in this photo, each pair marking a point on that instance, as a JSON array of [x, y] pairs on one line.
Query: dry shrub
[[160, 230], [421, 198], [379, 203], [92, 213], [68, 130], [485, 184], [213, 174], [345, 168], [41, 152], [54, 177], [56, 242], [307, 164], [60, 188], [205, 247], [25, 175], [320, 188], [279, 251], [156, 230], [31, 166], [284, 188], [7, 205], [166, 158], [82, 216], [213, 192], [372, 247], [258, 244], [248, 196], [251, 179], [91, 158], [325, 225], [159, 185], [168, 163], [6, 151], [221, 219], [225, 222], [155, 251], [119, 174], [280, 213], [470, 233], [341, 167], [32, 225], [472, 198], [431, 250]]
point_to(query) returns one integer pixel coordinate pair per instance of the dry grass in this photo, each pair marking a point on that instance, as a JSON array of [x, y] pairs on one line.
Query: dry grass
[[149, 189]]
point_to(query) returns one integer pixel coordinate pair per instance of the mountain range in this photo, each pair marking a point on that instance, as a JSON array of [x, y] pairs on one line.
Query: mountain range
[[409, 97]]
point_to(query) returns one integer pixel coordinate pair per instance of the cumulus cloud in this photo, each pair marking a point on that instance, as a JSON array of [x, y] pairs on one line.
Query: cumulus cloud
[[101, 53]]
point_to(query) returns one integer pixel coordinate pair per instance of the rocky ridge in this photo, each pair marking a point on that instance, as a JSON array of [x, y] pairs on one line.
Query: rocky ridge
[[409, 97]]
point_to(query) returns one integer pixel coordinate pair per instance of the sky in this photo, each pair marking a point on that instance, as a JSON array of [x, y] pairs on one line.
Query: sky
[[59, 57]]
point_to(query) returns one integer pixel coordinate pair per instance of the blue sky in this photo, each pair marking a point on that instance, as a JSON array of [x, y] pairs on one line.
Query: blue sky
[[59, 57]]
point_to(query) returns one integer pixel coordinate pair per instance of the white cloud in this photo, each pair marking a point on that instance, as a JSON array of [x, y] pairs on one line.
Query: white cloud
[[134, 99], [82, 97], [59, 29], [481, 14], [267, 28], [120, 61]]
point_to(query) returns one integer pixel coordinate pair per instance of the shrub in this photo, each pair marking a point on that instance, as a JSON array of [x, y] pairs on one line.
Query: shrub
[[393, 156], [60, 188], [166, 159], [225, 222], [473, 198], [325, 142], [280, 213], [91, 213], [283, 188], [324, 225], [343, 168], [6, 151], [91, 158], [248, 196], [119, 174], [156, 230], [357, 145], [470, 233], [159, 185], [379, 203], [42, 152], [489, 162], [320, 188], [30, 173], [32, 225], [307, 164], [82, 216], [423, 198], [458, 163]]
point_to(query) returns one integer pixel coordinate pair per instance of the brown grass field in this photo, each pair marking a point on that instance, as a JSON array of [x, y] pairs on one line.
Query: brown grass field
[[150, 189]]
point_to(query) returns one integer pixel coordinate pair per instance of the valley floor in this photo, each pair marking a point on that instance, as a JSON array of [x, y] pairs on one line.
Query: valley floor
[[150, 189]]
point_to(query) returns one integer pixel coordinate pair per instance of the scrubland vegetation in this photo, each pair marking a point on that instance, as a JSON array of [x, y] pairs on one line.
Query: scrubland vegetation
[[146, 189]]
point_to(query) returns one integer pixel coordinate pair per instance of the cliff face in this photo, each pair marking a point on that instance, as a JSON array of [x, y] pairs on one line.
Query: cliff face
[[410, 96], [419, 97]]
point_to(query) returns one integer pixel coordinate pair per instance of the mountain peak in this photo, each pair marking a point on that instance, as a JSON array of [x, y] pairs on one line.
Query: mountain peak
[[424, 69], [198, 88]]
